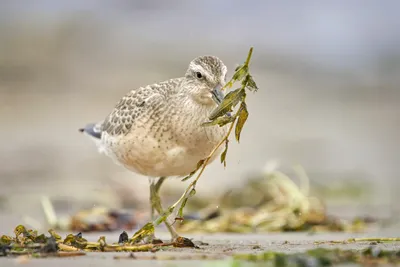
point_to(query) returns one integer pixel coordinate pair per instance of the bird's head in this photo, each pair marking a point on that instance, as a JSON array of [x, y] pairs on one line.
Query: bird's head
[[204, 79]]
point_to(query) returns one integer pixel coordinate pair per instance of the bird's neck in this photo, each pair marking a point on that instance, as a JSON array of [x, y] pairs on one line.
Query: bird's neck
[[187, 105]]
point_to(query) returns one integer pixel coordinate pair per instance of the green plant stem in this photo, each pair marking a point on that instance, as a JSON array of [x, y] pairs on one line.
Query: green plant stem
[[249, 56], [193, 184]]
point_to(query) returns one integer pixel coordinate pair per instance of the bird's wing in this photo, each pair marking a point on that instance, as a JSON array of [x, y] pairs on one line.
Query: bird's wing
[[135, 104], [130, 108]]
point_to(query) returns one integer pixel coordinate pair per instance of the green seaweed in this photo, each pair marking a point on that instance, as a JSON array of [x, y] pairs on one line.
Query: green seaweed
[[320, 257]]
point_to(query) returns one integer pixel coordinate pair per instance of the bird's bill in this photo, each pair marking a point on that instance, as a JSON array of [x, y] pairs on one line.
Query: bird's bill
[[217, 94]]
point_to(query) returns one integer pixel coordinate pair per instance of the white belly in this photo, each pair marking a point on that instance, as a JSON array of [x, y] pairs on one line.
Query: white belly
[[156, 158]]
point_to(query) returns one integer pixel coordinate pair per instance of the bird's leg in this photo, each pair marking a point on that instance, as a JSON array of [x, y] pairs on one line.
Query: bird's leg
[[156, 205], [151, 183], [154, 196]]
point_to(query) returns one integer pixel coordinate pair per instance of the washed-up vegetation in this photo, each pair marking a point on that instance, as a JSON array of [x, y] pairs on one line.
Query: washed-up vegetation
[[269, 203], [102, 219], [30, 242]]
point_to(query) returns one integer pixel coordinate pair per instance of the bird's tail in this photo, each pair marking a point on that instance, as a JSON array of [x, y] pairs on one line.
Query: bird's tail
[[92, 129]]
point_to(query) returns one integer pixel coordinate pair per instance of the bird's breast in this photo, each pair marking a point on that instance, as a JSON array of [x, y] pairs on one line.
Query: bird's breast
[[165, 154]]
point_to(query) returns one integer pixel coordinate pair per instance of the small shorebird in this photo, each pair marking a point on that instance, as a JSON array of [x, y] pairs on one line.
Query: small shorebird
[[156, 130]]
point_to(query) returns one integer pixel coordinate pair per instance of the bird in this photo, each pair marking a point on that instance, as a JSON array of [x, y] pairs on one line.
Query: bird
[[156, 130]]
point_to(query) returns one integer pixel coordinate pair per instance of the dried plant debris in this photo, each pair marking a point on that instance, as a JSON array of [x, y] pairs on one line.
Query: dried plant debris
[[272, 202], [98, 218], [29, 242], [323, 257], [102, 219]]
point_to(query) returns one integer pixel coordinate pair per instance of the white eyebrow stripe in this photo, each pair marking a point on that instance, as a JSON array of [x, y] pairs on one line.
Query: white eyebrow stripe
[[196, 67]]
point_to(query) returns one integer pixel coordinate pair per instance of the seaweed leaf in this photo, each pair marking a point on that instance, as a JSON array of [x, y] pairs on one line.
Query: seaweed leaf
[[243, 115], [40, 239], [102, 242], [5, 240], [229, 102], [20, 229], [192, 192], [146, 230], [221, 121], [240, 72], [251, 84], [183, 204], [228, 85], [223, 155], [56, 236], [75, 241], [180, 211], [199, 164]]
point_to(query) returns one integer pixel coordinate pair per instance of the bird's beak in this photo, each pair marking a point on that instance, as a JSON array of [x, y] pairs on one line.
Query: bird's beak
[[217, 94]]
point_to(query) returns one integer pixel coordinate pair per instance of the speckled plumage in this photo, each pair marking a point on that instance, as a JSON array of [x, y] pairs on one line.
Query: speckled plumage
[[156, 130]]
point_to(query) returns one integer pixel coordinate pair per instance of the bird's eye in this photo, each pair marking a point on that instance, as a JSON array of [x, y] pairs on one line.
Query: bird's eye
[[199, 75]]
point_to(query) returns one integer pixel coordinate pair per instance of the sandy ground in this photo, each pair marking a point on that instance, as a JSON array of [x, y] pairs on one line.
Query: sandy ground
[[214, 249]]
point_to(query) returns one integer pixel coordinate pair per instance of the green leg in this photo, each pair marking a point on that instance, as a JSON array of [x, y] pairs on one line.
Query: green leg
[[156, 204]]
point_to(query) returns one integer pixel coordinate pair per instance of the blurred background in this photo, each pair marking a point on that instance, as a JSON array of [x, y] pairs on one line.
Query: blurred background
[[328, 73]]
